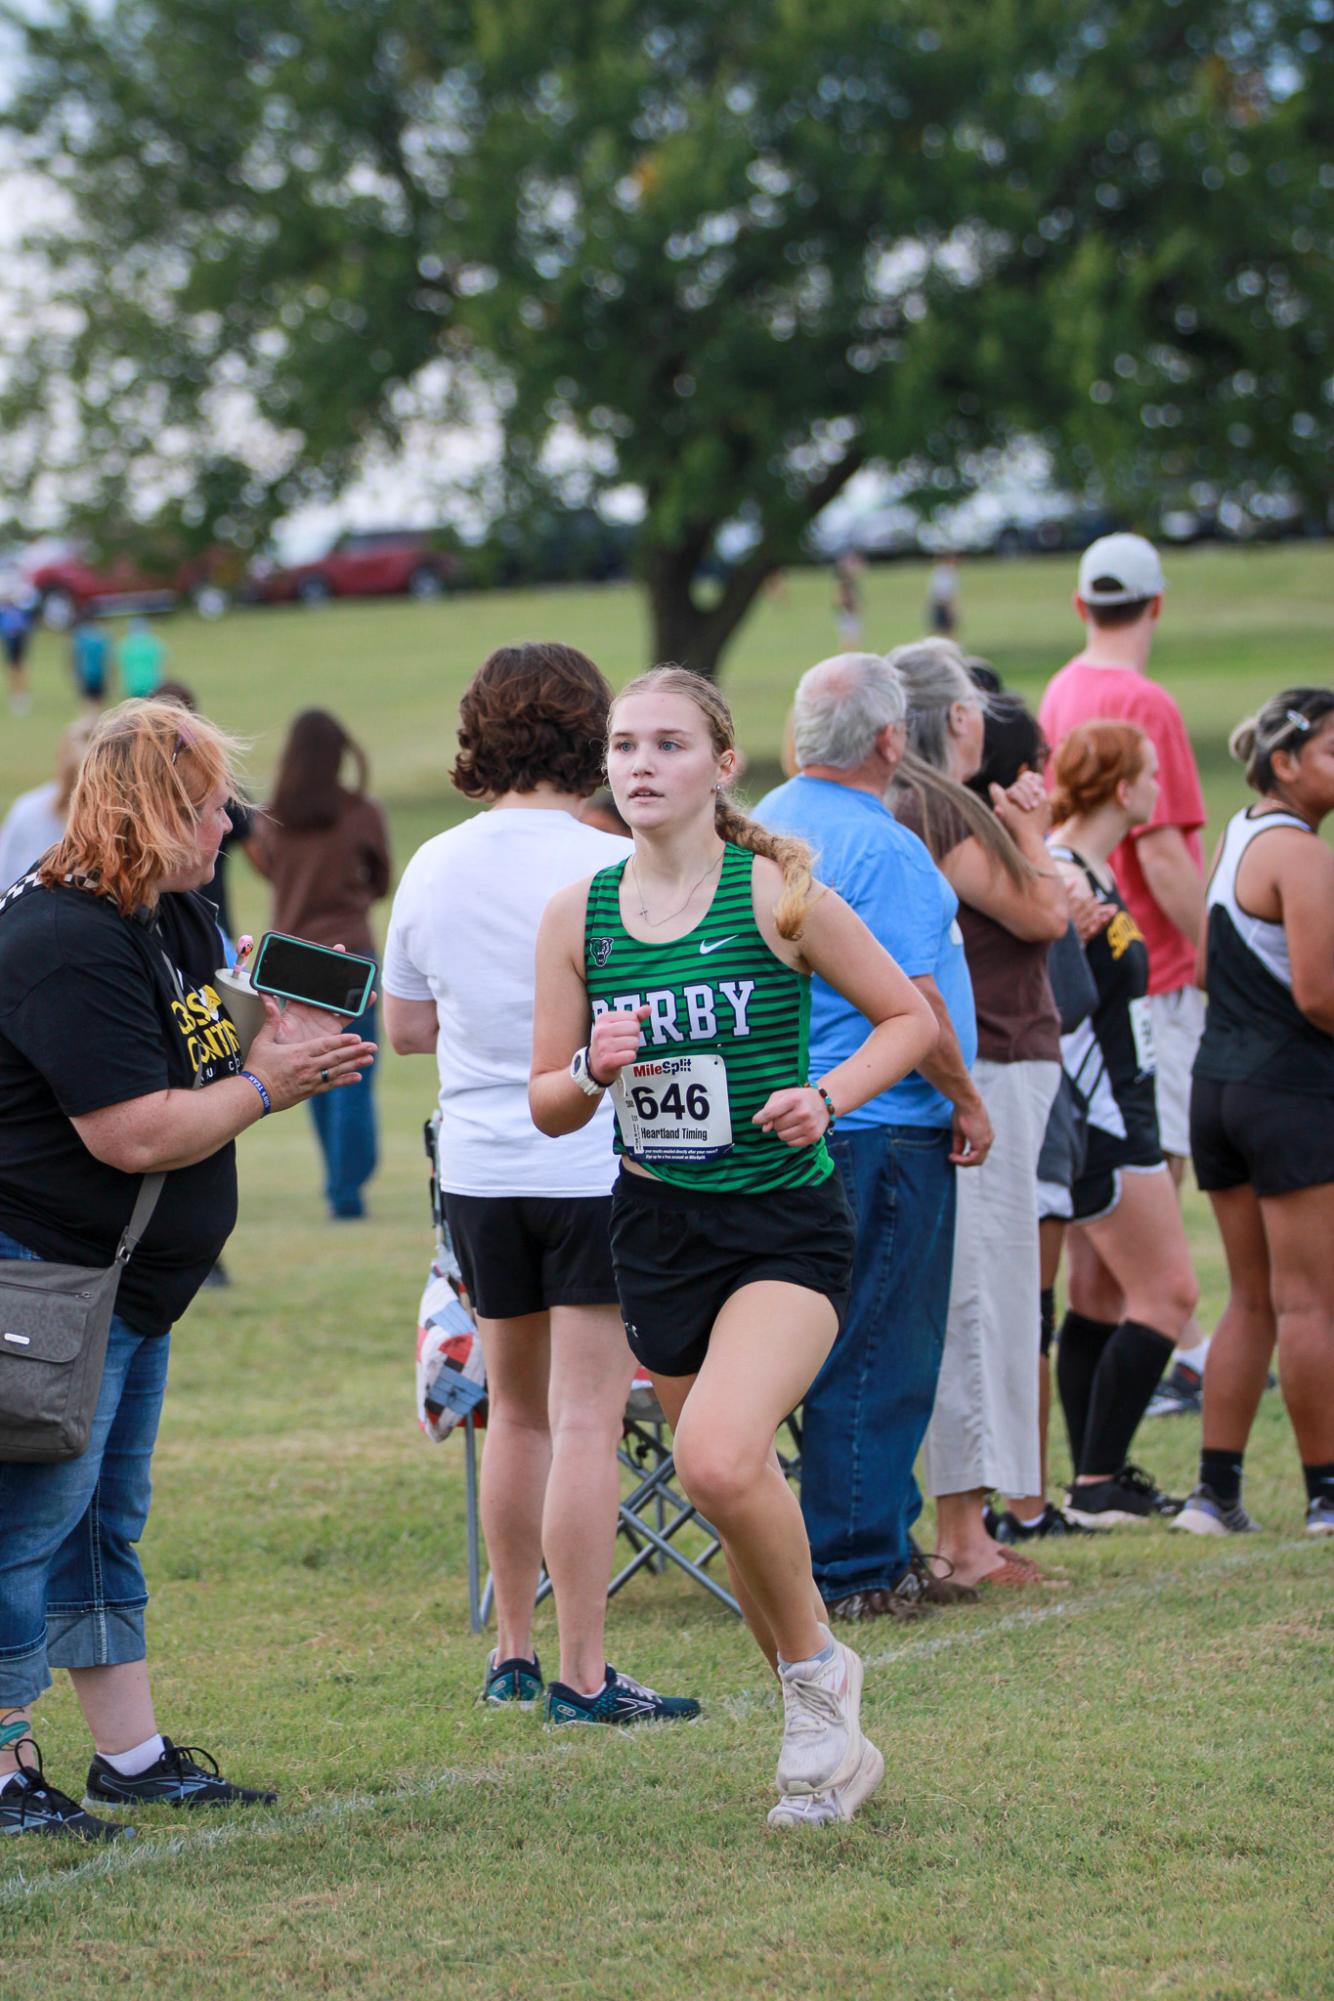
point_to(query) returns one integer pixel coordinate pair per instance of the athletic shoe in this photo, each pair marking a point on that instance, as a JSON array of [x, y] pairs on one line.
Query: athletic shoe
[[1320, 1517], [822, 1733], [1162, 1504], [620, 1700], [1179, 1394], [175, 1780], [28, 1805], [512, 1683], [1008, 1529], [834, 1802], [1205, 1514], [879, 1604]]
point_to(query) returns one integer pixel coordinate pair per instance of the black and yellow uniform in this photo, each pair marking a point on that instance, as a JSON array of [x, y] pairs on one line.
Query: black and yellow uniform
[[1109, 1059], [727, 1204]]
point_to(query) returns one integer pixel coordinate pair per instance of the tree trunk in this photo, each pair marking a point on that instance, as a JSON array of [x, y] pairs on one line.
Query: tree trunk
[[683, 631]]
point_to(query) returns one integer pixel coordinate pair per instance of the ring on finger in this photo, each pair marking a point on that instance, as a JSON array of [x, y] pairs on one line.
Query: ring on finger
[[324, 1076]]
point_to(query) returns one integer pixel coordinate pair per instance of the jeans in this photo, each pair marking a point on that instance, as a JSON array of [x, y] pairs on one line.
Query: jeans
[[72, 1592], [345, 1126], [868, 1409]]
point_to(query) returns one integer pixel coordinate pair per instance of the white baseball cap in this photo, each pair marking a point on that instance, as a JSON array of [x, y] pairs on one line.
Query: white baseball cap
[[1120, 569]]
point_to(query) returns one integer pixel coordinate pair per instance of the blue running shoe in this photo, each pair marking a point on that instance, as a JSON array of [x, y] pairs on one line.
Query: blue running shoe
[[1205, 1514], [1320, 1517], [28, 1805], [619, 1700], [516, 1682], [177, 1779]]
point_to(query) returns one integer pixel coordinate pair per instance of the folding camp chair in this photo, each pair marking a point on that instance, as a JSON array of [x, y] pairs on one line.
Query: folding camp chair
[[653, 1510]]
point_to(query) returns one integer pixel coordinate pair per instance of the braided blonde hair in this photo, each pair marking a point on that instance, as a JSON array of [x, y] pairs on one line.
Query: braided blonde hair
[[792, 856]]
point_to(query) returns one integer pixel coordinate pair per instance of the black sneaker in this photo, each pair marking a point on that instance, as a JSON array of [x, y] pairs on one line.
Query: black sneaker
[[619, 1700], [175, 1780], [1130, 1497], [1007, 1527], [28, 1805], [1179, 1394], [512, 1684]]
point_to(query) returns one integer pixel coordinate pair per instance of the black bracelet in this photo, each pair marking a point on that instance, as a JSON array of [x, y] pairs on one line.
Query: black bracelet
[[828, 1105], [260, 1086]]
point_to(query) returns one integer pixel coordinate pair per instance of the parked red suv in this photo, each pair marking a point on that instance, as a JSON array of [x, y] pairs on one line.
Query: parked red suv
[[379, 562], [67, 582]]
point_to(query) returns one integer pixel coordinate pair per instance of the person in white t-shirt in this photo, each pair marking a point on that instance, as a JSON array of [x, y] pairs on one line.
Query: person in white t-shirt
[[529, 1216]]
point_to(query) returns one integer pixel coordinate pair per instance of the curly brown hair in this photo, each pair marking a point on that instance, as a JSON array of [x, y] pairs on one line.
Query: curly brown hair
[[532, 714]]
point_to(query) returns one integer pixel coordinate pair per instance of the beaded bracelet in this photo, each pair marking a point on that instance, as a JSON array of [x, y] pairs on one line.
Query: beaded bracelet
[[260, 1086], [828, 1105]]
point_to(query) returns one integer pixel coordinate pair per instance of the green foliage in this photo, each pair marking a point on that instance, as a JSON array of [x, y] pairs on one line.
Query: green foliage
[[734, 255]]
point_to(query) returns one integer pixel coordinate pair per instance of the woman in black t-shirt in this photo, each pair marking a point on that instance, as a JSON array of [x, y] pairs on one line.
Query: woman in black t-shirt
[[118, 1060], [1106, 782]]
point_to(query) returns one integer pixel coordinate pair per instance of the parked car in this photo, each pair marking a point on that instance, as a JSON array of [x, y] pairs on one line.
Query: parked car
[[67, 579], [378, 562]]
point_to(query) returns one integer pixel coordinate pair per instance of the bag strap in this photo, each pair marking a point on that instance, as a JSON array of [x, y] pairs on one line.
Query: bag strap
[[146, 1201]]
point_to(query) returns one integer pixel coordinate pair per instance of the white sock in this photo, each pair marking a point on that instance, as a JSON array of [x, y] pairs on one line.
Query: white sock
[[132, 1762], [1194, 1358], [5, 1777]]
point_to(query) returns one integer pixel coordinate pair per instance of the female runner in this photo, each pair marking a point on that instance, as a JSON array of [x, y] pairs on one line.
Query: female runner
[[1107, 1369], [1262, 1108], [731, 1238]]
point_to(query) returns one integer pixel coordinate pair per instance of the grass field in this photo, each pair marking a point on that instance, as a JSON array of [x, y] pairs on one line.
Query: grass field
[[1113, 1790]]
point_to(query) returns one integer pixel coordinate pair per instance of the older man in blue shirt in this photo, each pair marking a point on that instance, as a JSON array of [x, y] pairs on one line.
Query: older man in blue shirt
[[868, 1410]]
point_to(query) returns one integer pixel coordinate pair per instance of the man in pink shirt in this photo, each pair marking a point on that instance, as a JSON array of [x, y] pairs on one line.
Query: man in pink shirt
[[1159, 867]]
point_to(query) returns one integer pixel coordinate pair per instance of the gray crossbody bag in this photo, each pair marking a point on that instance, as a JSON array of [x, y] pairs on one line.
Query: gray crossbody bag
[[54, 1322]]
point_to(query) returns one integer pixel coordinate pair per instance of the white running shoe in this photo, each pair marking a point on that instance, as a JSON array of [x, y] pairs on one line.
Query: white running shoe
[[834, 1802], [822, 1733], [1320, 1518]]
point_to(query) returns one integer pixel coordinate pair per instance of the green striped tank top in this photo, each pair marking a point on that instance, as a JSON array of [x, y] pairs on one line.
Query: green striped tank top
[[730, 1025]]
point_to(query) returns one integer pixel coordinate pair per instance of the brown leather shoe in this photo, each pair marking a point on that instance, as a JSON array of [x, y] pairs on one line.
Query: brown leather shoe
[[876, 1605], [930, 1587]]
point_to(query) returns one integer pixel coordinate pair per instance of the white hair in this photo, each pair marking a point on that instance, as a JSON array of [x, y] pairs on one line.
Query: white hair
[[935, 676], [842, 704]]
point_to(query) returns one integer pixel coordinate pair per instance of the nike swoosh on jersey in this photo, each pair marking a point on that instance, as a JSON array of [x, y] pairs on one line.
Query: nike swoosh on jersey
[[716, 945]]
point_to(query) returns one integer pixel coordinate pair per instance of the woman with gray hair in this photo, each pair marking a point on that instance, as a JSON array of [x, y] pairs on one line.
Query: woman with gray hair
[[984, 1428]]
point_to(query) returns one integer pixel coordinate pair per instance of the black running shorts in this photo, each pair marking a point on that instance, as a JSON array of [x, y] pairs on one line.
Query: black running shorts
[[1250, 1134], [522, 1253], [680, 1254]]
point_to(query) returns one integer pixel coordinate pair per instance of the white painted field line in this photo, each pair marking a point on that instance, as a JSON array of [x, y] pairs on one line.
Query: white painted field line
[[258, 1825]]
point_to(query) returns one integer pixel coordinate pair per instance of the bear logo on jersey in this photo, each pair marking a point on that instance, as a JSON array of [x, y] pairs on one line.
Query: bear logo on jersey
[[600, 951]]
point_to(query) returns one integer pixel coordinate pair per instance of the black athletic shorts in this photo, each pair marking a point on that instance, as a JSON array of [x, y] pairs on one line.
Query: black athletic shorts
[[681, 1253], [522, 1253], [1252, 1135]]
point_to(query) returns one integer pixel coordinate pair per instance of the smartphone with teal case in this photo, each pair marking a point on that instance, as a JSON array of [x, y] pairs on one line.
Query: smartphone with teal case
[[295, 969]]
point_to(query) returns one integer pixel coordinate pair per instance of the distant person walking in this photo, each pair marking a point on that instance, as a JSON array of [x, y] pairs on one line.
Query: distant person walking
[[325, 848], [141, 656], [848, 598], [1262, 1108], [1159, 867], [15, 630], [942, 597], [36, 820], [90, 657]]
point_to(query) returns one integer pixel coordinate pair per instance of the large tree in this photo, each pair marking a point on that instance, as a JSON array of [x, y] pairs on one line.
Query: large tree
[[728, 256]]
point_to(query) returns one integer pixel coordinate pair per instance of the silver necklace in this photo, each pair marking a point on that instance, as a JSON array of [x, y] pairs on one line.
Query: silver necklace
[[656, 923]]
